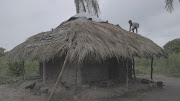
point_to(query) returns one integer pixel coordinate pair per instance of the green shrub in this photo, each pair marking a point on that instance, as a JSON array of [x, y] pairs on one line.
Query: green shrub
[[15, 68], [3, 67], [173, 46], [31, 68], [11, 72], [166, 66]]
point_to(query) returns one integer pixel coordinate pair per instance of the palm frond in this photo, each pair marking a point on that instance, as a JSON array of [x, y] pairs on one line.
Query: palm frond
[[169, 5], [77, 6], [95, 6], [82, 5], [89, 6]]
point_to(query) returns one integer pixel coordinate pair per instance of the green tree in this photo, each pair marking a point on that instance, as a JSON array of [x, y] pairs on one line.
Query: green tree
[[2, 51], [173, 46], [169, 5], [89, 6], [15, 68]]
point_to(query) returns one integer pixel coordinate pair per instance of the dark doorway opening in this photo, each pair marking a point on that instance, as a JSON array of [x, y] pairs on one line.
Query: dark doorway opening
[[113, 69]]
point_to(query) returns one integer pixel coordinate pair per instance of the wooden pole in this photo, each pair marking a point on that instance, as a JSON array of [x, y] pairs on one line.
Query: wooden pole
[[44, 72], [23, 70], [134, 68], [151, 68], [58, 79], [127, 83], [75, 87]]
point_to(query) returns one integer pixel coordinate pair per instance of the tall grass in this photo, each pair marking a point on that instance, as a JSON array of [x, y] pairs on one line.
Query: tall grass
[[31, 69], [167, 66]]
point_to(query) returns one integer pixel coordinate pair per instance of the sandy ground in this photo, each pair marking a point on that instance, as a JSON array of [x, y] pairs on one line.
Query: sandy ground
[[170, 92], [17, 92]]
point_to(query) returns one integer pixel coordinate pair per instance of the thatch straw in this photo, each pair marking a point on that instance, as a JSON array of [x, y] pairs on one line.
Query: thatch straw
[[85, 40]]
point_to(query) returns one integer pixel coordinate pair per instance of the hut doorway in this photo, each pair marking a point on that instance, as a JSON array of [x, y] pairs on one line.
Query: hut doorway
[[113, 70], [117, 71]]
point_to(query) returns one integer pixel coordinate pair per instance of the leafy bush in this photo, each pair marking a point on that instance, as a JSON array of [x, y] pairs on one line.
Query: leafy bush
[[31, 68], [15, 68], [3, 66], [11, 72]]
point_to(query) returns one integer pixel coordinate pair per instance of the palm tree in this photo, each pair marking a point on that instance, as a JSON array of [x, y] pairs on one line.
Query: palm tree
[[89, 6], [169, 5]]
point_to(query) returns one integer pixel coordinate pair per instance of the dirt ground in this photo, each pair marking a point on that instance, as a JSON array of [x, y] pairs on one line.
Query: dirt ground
[[170, 92]]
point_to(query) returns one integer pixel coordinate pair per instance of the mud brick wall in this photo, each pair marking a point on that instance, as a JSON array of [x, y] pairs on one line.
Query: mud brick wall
[[69, 74], [94, 72], [111, 70], [53, 69]]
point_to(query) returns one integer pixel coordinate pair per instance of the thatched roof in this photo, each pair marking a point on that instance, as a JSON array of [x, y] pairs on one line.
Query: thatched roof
[[85, 39]]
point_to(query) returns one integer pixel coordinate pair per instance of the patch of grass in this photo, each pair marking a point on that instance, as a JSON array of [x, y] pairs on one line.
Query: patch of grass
[[9, 79], [142, 70], [31, 68], [165, 66], [6, 77]]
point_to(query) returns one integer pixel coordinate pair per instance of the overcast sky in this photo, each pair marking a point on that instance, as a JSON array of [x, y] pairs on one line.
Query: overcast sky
[[20, 19]]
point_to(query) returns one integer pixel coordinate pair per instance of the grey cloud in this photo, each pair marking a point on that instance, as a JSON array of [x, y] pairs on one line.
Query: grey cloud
[[20, 19]]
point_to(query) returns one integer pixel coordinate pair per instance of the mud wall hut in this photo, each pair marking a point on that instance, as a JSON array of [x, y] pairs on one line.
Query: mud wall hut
[[95, 49], [88, 73]]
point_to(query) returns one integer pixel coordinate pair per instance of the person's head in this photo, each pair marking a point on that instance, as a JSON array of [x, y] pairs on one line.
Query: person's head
[[130, 22]]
